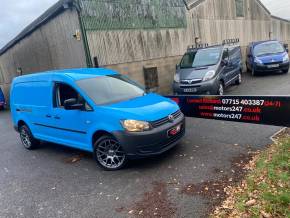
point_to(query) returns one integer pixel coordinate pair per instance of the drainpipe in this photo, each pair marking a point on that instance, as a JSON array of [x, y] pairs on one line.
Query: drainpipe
[[186, 5], [84, 35]]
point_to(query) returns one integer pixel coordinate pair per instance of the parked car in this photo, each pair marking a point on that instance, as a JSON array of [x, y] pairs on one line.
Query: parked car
[[267, 56], [208, 70], [95, 110], [2, 100]]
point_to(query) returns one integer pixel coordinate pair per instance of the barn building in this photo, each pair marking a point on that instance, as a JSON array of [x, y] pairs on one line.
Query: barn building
[[144, 39]]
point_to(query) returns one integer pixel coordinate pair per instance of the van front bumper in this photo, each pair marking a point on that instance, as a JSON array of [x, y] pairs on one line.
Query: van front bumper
[[150, 143], [207, 88], [266, 68]]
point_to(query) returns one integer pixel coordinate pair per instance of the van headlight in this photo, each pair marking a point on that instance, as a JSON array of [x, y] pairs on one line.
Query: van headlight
[[286, 58], [135, 125], [209, 75], [177, 78], [258, 61]]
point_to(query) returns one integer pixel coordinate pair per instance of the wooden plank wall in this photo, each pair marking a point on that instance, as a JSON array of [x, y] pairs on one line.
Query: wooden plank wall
[[215, 20], [115, 47], [51, 46], [281, 30], [212, 21]]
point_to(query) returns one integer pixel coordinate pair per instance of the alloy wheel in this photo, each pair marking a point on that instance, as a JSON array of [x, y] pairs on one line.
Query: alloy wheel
[[110, 154], [25, 138], [221, 89], [240, 78]]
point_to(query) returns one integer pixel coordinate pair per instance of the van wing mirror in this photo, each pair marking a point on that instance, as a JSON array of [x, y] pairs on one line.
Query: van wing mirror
[[71, 104], [225, 62]]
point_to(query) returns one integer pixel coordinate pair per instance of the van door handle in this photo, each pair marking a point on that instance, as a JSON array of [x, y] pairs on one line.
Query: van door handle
[[57, 117], [48, 116]]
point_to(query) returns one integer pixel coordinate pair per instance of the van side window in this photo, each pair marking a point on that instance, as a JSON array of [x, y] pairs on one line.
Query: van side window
[[64, 92]]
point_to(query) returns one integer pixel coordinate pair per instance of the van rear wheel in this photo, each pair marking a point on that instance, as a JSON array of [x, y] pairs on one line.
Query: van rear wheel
[[109, 154], [27, 139]]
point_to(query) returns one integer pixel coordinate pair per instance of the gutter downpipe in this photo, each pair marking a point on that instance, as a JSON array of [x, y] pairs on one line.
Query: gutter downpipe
[[84, 35]]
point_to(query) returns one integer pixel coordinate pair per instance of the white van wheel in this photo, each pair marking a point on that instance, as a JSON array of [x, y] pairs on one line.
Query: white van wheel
[[28, 141]]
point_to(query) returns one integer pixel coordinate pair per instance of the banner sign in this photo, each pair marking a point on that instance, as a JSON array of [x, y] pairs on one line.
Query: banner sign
[[269, 110]]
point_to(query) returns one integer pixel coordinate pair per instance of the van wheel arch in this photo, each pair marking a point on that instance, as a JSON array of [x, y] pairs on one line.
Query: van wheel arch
[[21, 123], [98, 134], [223, 82], [108, 152]]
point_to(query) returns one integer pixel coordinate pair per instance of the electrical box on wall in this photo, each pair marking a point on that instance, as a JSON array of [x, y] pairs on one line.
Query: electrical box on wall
[[77, 35]]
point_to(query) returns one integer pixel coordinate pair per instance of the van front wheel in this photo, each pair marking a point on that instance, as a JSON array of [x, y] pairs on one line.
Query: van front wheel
[[109, 154], [239, 80], [221, 88], [27, 139]]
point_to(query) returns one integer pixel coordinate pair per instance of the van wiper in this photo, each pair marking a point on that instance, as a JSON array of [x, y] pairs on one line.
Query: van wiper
[[203, 67], [266, 54]]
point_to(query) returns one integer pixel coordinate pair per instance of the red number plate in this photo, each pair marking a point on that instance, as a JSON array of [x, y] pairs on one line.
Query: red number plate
[[174, 131]]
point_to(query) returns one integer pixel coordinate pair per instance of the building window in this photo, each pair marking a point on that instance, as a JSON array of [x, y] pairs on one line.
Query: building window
[[240, 10]]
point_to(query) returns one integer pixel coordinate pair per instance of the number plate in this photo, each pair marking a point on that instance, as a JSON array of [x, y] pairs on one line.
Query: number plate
[[273, 66], [174, 131], [190, 90]]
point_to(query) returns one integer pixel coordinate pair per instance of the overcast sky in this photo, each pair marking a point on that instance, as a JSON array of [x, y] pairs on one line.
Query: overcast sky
[[16, 14]]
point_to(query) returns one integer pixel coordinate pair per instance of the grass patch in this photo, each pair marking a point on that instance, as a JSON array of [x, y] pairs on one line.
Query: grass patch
[[265, 192]]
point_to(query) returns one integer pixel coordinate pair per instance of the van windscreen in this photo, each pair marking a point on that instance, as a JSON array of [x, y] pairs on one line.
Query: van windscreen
[[110, 89], [201, 58], [268, 48]]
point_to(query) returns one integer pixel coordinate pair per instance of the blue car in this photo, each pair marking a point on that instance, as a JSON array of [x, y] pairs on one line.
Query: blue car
[[96, 110], [2, 100], [267, 56]]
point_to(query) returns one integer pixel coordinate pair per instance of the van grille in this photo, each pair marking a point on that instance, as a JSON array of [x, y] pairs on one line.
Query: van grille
[[190, 81], [165, 120], [271, 63]]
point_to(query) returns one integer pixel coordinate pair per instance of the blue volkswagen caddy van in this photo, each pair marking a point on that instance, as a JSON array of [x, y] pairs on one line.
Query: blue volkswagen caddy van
[[267, 56], [2, 100], [96, 110]]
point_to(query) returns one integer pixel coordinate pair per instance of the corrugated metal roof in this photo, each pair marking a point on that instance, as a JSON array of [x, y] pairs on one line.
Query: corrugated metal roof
[[47, 15]]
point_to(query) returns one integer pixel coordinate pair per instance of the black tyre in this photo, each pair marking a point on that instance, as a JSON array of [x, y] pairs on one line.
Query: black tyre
[[109, 154], [27, 139], [248, 69], [239, 80], [220, 89], [285, 71], [254, 73]]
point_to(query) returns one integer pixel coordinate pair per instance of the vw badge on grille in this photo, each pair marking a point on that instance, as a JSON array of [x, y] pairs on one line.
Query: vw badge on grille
[[171, 118]]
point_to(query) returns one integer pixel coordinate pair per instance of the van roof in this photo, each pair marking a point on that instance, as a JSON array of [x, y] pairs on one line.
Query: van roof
[[260, 42], [75, 74]]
